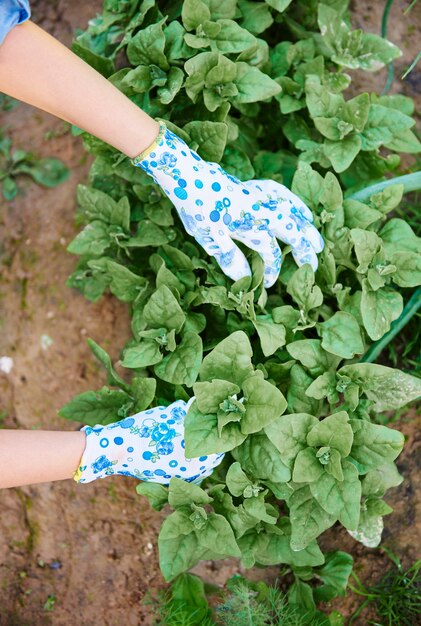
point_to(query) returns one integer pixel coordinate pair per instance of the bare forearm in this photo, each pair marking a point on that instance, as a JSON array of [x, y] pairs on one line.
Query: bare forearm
[[38, 69], [36, 456]]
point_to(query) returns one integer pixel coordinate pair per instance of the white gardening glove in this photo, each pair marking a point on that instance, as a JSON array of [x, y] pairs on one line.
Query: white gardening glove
[[216, 208], [148, 446]]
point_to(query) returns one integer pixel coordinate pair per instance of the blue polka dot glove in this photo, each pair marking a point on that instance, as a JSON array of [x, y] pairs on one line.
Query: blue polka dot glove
[[217, 208], [148, 446]]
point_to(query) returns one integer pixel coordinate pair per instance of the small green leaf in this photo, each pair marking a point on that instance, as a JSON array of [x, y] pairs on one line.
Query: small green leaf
[[307, 467], [9, 188], [334, 431], [335, 573], [104, 358], [181, 367], [303, 290], [263, 403], [124, 284], [232, 38], [48, 172], [383, 125], [182, 493], [143, 355], [311, 354], [340, 498], [342, 153], [301, 594], [211, 138], [360, 215], [143, 391], [162, 309], [147, 46], [194, 13], [178, 545], [408, 268], [253, 85], [236, 480], [209, 395], [218, 536], [157, 494], [341, 335], [271, 335], [379, 309]]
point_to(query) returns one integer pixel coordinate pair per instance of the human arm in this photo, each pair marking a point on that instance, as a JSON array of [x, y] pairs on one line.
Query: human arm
[[148, 446], [36, 68], [38, 456]]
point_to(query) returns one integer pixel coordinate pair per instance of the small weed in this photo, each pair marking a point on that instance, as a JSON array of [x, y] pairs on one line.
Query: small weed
[[50, 602], [243, 607], [169, 611], [397, 597]]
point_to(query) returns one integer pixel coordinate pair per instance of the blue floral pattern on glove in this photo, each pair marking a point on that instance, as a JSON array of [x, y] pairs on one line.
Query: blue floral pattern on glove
[[216, 208], [148, 446]]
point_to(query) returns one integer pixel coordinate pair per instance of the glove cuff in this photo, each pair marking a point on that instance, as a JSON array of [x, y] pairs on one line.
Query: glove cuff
[[162, 129], [94, 463]]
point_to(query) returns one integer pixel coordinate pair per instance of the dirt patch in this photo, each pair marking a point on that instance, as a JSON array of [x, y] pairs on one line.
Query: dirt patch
[[87, 554]]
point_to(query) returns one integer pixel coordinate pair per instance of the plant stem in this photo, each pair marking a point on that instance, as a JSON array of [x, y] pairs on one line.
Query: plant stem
[[411, 307], [410, 182]]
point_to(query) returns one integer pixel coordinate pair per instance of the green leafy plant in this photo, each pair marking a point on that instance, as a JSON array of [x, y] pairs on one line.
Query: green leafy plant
[[279, 377], [48, 171], [396, 597], [183, 604], [241, 602]]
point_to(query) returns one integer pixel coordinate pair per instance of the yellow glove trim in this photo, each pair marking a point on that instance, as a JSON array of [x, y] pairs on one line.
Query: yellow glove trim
[[151, 148]]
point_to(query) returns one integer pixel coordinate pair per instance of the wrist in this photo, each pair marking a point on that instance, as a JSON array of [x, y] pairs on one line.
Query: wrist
[[146, 152]]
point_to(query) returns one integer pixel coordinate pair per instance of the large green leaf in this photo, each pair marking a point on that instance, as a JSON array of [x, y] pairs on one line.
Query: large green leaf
[[308, 518], [181, 367], [96, 407], [261, 460], [340, 498], [379, 309], [178, 545], [374, 445], [229, 360], [341, 335], [253, 85], [289, 434], [201, 434], [388, 388]]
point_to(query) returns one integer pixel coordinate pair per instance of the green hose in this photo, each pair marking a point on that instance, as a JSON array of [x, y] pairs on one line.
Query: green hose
[[410, 182], [383, 32]]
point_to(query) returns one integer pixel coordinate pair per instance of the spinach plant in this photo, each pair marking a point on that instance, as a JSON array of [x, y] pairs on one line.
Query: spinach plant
[[47, 171], [278, 376]]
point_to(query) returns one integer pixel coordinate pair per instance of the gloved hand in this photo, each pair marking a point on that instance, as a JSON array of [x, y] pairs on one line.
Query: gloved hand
[[148, 446], [216, 208]]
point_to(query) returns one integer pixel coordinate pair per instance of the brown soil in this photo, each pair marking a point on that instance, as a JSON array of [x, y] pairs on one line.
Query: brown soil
[[87, 554]]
